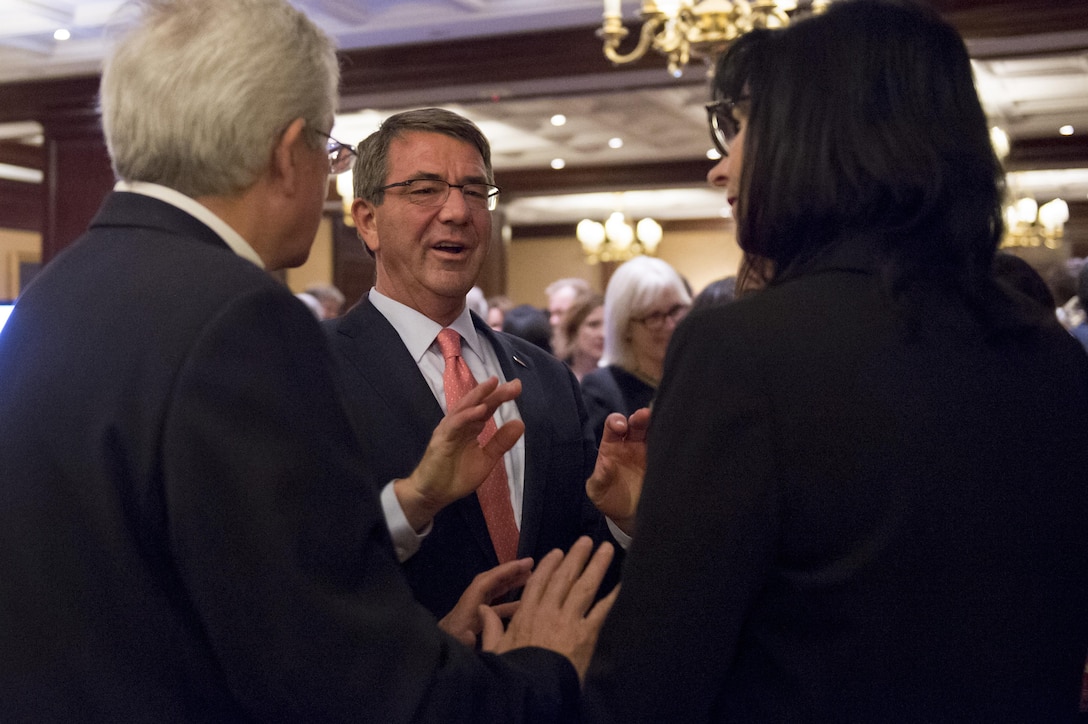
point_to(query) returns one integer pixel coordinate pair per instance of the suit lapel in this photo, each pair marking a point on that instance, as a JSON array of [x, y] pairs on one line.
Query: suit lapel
[[375, 352]]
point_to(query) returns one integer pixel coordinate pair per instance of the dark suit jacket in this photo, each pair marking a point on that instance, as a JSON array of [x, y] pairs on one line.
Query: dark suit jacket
[[857, 509], [394, 413], [613, 389], [185, 533]]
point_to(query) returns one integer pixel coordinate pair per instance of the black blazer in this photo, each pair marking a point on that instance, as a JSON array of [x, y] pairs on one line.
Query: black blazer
[[394, 413], [185, 532], [857, 509], [613, 389]]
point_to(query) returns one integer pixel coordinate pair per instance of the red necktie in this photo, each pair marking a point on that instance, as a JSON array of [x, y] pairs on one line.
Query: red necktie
[[494, 493]]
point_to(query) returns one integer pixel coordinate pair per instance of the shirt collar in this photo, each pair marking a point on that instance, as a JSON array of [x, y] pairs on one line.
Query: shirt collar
[[418, 331], [192, 207]]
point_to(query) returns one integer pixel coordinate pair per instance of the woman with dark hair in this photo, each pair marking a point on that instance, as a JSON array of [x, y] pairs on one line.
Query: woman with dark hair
[[582, 334], [864, 496]]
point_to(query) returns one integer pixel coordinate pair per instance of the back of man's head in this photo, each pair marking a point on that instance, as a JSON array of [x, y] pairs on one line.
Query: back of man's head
[[195, 94]]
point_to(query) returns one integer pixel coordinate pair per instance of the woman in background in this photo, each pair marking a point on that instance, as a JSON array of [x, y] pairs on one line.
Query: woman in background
[[583, 329], [865, 490], [643, 303]]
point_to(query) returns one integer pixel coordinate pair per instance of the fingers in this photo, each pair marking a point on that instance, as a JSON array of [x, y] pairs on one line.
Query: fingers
[[504, 439], [567, 573], [538, 582], [492, 630], [615, 427], [490, 394], [476, 395], [502, 579], [584, 588], [638, 424], [506, 611], [600, 610]]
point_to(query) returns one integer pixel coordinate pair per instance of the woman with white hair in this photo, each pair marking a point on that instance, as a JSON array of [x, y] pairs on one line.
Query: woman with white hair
[[645, 300]]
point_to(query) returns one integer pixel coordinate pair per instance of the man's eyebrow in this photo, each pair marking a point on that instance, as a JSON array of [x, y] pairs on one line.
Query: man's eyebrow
[[440, 177]]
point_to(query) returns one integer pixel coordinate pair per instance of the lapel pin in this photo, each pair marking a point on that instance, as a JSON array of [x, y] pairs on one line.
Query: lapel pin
[[518, 360]]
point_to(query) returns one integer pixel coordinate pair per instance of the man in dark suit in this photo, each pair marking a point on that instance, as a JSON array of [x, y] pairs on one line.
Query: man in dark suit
[[424, 193], [185, 530]]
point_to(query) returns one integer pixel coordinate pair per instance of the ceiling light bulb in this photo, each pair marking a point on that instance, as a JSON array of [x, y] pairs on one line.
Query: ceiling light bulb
[[558, 163], [1066, 130], [714, 154], [615, 143], [559, 120], [61, 34]]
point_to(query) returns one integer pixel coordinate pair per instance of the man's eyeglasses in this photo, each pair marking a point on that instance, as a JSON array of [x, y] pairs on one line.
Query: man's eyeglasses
[[656, 320], [724, 126], [341, 155], [434, 192]]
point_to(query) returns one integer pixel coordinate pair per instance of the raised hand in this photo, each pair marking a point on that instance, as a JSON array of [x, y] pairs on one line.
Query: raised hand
[[454, 463], [616, 483]]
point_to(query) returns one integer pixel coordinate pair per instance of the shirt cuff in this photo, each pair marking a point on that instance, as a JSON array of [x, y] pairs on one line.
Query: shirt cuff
[[406, 541], [622, 539]]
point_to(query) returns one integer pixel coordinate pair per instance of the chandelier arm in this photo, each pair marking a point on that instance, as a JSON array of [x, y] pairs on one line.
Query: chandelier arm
[[612, 39]]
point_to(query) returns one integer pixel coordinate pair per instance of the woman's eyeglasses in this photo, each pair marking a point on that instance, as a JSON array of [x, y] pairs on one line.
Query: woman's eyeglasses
[[724, 125]]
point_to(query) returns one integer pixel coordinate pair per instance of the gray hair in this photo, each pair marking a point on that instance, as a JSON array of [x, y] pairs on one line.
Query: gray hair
[[632, 290], [196, 93], [372, 163]]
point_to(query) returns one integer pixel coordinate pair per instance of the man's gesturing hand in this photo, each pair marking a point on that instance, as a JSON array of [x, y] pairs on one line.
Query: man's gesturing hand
[[455, 463]]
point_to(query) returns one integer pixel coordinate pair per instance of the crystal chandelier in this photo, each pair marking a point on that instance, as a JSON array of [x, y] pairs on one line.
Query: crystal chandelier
[[682, 29], [616, 239]]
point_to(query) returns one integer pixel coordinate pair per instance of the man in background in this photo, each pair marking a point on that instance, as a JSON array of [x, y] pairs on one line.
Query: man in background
[[561, 295], [186, 530]]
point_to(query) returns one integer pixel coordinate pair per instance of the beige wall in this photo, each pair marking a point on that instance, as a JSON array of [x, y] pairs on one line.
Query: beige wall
[[533, 264], [16, 246], [701, 256], [318, 267]]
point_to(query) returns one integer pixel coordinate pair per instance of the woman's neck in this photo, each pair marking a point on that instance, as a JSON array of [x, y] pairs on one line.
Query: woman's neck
[[582, 364], [647, 371]]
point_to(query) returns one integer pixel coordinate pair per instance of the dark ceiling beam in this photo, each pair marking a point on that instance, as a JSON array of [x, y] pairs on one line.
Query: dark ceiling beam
[[22, 154], [1047, 153], [21, 205], [648, 175], [978, 19]]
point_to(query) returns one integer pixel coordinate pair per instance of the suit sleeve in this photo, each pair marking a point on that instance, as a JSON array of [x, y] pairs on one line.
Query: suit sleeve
[[284, 554], [707, 527]]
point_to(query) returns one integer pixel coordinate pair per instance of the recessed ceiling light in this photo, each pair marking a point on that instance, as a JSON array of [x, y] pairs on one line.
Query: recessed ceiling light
[[615, 143], [61, 34], [559, 120], [714, 154], [1066, 130], [558, 163]]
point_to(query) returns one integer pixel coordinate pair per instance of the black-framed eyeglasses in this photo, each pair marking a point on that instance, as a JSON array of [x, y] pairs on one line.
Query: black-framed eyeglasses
[[724, 125], [434, 192], [341, 155], [656, 320]]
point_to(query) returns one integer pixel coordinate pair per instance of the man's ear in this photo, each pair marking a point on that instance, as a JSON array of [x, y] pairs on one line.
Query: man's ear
[[363, 212], [284, 163]]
